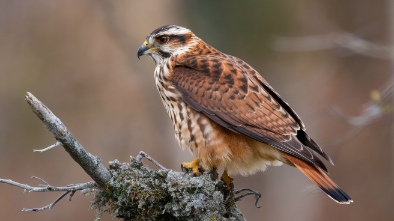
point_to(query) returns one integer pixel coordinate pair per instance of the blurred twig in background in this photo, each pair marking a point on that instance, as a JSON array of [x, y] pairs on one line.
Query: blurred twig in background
[[380, 102], [348, 41], [379, 105]]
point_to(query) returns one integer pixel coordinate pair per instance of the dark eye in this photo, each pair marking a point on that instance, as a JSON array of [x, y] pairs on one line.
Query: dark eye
[[162, 39]]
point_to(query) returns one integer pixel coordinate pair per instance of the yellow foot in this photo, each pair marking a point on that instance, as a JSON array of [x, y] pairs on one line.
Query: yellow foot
[[193, 166], [228, 180]]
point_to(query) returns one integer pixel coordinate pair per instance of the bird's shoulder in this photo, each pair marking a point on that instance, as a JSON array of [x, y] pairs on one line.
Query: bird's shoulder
[[231, 88]]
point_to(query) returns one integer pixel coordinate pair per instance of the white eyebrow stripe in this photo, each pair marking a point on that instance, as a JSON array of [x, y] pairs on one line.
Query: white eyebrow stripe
[[174, 31]]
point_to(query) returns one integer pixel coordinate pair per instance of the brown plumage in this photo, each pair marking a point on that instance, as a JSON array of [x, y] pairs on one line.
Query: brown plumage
[[226, 114]]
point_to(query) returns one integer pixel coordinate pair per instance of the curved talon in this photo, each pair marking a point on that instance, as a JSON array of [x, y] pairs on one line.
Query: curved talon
[[193, 166], [256, 194]]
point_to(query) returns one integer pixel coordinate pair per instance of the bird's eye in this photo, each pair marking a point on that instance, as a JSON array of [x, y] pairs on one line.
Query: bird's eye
[[162, 39]]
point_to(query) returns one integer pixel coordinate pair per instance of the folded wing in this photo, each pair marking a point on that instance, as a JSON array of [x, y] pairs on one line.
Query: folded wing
[[234, 95]]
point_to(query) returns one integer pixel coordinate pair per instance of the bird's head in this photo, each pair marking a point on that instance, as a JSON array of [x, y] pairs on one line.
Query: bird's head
[[167, 41]]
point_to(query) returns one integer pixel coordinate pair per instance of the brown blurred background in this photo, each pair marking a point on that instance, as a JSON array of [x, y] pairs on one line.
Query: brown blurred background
[[79, 58]]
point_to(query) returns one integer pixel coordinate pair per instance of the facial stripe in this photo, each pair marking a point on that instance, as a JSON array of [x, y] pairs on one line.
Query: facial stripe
[[170, 30]]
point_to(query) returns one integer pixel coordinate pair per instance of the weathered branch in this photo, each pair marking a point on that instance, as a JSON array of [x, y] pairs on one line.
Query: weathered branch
[[46, 187], [91, 164], [49, 188], [136, 192], [50, 206], [133, 191]]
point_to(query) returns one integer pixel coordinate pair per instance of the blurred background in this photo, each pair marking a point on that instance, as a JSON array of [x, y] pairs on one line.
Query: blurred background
[[331, 60]]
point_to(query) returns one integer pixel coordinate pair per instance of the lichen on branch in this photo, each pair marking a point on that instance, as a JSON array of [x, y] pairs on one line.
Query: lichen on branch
[[133, 191], [136, 192]]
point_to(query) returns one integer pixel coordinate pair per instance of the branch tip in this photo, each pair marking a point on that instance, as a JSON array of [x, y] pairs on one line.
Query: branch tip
[[142, 154], [48, 148], [91, 164]]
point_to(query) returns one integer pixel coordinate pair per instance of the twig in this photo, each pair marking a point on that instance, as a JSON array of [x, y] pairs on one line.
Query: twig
[[71, 195], [50, 206], [50, 188], [48, 148], [91, 164], [46, 187], [42, 180], [373, 110], [333, 40], [142, 154]]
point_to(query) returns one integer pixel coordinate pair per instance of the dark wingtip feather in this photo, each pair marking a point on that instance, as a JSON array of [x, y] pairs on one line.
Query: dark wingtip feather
[[307, 141]]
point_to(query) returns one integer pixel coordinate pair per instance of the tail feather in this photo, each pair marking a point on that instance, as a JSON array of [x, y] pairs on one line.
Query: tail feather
[[321, 179]]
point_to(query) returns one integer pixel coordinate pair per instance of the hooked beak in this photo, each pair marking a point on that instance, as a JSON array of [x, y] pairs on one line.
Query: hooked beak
[[143, 49]]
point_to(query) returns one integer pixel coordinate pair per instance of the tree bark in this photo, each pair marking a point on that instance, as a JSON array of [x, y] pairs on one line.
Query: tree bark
[[133, 191]]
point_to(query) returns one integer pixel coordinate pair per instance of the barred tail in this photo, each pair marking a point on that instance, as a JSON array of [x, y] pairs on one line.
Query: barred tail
[[320, 178]]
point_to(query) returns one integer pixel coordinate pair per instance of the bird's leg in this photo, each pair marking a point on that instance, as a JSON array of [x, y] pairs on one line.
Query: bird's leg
[[228, 187], [214, 173], [193, 166], [228, 180]]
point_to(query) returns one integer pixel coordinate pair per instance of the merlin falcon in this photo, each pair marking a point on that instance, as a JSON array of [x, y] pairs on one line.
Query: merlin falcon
[[227, 115]]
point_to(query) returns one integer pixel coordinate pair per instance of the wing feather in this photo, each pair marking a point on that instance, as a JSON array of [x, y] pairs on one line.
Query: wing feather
[[235, 96]]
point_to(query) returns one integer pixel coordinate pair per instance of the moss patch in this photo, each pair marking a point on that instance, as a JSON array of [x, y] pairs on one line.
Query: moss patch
[[136, 192]]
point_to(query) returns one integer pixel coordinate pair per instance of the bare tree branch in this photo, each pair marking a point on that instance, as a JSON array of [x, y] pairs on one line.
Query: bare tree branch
[[46, 187], [133, 191], [50, 188], [333, 40], [376, 108], [372, 110], [47, 207], [91, 164]]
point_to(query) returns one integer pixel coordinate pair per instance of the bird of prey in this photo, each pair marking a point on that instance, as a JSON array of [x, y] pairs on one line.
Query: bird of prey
[[227, 115]]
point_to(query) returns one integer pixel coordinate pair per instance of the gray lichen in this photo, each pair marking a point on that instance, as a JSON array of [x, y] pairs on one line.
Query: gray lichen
[[136, 192]]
